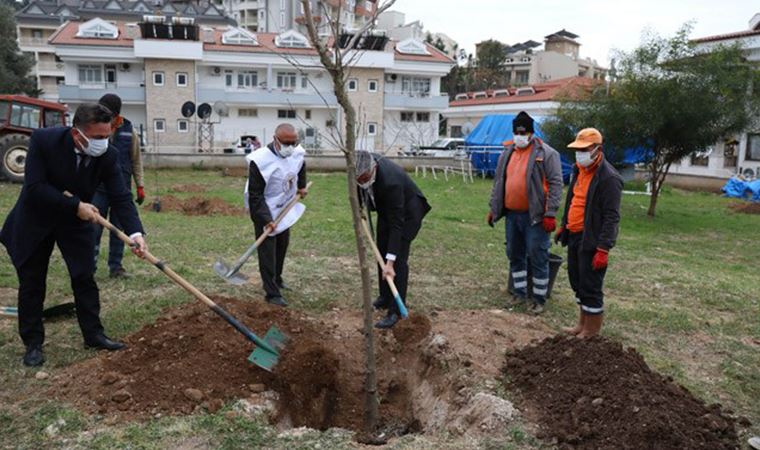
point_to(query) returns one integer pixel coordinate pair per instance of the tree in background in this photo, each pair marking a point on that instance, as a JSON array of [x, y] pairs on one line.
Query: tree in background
[[669, 97], [14, 65]]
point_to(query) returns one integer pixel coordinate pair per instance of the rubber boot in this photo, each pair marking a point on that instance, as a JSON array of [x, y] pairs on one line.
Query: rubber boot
[[592, 326], [578, 328]]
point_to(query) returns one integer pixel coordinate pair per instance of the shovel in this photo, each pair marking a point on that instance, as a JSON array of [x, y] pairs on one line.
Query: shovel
[[267, 350], [48, 313], [400, 303], [230, 274]]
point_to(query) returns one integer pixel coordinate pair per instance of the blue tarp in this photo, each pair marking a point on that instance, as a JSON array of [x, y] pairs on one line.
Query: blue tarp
[[484, 145], [738, 188]]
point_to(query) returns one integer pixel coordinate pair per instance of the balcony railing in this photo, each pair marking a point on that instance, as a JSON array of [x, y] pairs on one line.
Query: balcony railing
[[275, 97], [32, 41], [407, 101], [93, 92], [50, 66]]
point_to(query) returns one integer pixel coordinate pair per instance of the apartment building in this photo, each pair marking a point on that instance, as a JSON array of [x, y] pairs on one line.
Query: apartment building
[[252, 81], [528, 64], [395, 26], [277, 16], [740, 153], [38, 20]]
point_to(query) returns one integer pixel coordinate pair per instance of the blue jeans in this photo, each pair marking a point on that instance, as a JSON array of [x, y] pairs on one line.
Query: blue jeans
[[528, 242], [115, 245]]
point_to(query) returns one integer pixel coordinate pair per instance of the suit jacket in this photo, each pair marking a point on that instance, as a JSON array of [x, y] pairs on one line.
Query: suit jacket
[[42, 209], [398, 202]]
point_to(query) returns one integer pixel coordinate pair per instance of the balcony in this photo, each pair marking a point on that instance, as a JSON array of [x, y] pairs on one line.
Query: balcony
[[33, 42], [263, 97], [49, 68], [93, 92], [408, 101]]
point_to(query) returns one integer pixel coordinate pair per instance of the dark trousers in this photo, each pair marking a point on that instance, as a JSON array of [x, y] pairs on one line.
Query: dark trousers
[[586, 282], [271, 260], [401, 266], [75, 244], [527, 242], [115, 245]]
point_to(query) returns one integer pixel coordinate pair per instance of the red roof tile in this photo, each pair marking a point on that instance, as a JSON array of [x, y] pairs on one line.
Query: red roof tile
[[434, 56], [550, 90], [722, 37], [67, 35]]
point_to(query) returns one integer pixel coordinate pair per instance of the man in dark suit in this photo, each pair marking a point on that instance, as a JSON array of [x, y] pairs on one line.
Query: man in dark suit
[[401, 206], [63, 167]]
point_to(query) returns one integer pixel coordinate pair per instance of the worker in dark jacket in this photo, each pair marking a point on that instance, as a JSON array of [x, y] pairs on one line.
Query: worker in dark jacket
[[401, 206], [276, 174], [527, 191], [63, 167], [127, 144], [589, 228]]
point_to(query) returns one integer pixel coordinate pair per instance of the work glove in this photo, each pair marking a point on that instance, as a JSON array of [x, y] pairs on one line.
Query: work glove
[[140, 195], [489, 219], [600, 259], [550, 224], [558, 235]]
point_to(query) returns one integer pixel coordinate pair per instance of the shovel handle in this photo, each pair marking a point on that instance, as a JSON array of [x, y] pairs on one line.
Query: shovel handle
[[174, 276], [399, 302], [239, 263]]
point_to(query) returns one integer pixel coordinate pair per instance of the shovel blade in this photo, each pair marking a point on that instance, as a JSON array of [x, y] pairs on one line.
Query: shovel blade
[[266, 359], [223, 270]]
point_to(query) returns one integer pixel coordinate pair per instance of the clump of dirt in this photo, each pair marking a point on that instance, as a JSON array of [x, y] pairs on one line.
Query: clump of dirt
[[198, 206], [196, 188], [412, 330], [593, 394], [239, 172], [746, 207]]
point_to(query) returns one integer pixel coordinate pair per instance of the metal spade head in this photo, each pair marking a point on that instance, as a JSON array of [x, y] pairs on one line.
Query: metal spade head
[[264, 358], [223, 270]]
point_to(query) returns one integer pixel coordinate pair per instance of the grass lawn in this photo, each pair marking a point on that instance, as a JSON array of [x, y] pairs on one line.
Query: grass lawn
[[684, 289]]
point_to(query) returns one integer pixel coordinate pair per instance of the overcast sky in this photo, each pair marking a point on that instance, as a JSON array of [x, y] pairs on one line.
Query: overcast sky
[[601, 24]]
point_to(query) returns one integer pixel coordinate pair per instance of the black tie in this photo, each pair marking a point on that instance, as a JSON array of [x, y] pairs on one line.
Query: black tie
[[82, 161]]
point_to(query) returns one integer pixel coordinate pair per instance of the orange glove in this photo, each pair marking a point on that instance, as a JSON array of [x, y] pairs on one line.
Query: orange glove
[[140, 195], [600, 259], [550, 224]]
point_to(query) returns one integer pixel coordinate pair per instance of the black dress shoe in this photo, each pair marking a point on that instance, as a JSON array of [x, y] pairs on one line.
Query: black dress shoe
[[380, 303], [34, 356], [388, 321], [279, 301], [119, 273], [103, 342], [283, 286]]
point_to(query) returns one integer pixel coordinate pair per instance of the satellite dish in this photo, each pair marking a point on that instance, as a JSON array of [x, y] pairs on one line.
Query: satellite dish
[[221, 109], [188, 109], [204, 111]]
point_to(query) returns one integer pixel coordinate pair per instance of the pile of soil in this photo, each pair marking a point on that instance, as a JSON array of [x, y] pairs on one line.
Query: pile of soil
[[238, 172], [746, 207], [197, 206], [593, 394], [196, 188]]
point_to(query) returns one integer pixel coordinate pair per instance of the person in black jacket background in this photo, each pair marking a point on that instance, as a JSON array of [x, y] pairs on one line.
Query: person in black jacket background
[[74, 160], [401, 206], [589, 228]]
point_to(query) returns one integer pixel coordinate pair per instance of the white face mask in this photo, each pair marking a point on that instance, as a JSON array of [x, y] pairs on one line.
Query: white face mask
[[286, 150], [585, 159], [368, 183], [521, 141], [95, 147]]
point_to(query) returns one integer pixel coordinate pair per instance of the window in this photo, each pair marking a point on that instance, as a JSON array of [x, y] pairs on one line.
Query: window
[[159, 125], [247, 80], [307, 114], [239, 36], [158, 78], [412, 46], [423, 117], [99, 29], [415, 85], [182, 126], [286, 80], [286, 114], [521, 77], [700, 160], [353, 85], [407, 116], [3, 112], [371, 129], [456, 131], [282, 19], [228, 77], [26, 116], [304, 80], [52, 118], [329, 123], [290, 38], [372, 85], [110, 73], [753, 147], [248, 112], [181, 79], [90, 74]]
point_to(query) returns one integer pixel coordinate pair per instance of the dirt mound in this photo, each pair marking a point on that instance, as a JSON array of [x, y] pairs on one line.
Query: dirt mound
[[239, 172], [197, 188], [746, 207], [197, 206], [593, 394], [412, 330]]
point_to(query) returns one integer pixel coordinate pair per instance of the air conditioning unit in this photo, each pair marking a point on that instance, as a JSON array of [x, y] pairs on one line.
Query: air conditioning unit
[[215, 71], [391, 77], [124, 67]]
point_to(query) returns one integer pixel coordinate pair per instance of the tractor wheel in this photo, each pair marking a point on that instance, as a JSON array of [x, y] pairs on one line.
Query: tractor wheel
[[13, 149]]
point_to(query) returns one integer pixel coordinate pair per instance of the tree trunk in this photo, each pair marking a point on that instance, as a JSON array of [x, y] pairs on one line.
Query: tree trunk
[[653, 180], [370, 384]]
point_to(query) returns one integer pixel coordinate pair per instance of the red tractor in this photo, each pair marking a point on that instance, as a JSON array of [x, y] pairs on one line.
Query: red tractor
[[19, 116]]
